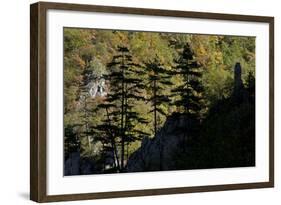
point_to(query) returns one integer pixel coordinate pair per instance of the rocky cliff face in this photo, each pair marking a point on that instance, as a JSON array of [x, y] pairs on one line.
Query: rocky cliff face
[[225, 138], [157, 153], [97, 88]]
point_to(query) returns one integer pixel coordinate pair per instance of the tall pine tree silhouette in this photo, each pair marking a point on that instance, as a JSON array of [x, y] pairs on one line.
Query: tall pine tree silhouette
[[125, 90], [158, 82], [190, 92]]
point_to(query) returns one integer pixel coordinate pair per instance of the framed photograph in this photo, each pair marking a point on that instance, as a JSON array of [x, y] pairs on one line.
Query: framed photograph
[[134, 102]]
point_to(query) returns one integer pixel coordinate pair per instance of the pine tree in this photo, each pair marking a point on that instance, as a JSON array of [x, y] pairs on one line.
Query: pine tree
[[189, 92], [71, 141], [109, 133], [125, 90], [158, 82]]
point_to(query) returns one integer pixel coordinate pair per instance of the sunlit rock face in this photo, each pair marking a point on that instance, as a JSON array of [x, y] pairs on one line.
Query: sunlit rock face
[[97, 88]]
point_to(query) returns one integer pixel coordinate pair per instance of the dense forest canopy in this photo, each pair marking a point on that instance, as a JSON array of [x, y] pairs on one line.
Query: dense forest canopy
[[156, 85]]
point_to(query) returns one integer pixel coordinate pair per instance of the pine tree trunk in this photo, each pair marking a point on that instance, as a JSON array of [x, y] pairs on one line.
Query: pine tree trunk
[[155, 111], [187, 106], [116, 159], [114, 147], [125, 126], [122, 116], [89, 140]]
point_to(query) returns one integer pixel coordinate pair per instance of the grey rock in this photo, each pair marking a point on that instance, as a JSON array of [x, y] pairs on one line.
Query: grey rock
[[72, 164], [156, 153], [97, 88]]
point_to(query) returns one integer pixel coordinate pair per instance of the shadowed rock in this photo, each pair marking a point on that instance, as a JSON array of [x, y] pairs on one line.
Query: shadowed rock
[[156, 153]]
